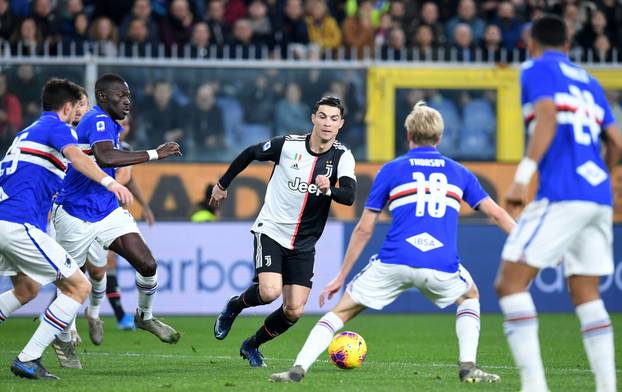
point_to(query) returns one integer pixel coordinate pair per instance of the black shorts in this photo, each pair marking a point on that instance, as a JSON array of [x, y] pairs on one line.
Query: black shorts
[[295, 267]]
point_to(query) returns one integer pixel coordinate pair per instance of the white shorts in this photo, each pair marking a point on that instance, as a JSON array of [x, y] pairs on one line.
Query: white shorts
[[577, 233], [379, 284], [25, 248], [91, 239]]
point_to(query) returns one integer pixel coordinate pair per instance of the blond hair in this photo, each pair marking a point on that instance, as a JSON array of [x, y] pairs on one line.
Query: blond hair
[[424, 125]]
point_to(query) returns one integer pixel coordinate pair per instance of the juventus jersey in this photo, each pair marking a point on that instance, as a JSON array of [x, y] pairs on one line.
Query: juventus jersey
[[295, 211]]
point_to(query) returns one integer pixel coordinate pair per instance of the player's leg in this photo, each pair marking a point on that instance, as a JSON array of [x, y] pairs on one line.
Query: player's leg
[[96, 266], [266, 287], [376, 286], [132, 247], [584, 265], [521, 322], [125, 321], [24, 290], [43, 260]]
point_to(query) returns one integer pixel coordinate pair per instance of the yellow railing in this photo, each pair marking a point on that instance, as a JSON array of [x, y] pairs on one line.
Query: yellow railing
[[382, 83]]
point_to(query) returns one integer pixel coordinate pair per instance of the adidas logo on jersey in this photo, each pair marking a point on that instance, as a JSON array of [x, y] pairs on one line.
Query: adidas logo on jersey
[[298, 185], [295, 166]]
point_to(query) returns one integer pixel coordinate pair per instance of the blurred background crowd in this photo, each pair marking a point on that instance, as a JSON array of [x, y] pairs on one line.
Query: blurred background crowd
[[387, 29], [213, 111]]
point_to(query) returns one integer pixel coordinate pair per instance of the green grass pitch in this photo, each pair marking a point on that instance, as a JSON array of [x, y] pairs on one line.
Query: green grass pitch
[[414, 352]]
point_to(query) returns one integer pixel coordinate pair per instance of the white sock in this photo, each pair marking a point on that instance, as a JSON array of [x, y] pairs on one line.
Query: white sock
[[521, 330], [467, 329], [598, 342], [65, 335], [97, 296], [319, 339], [147, 287], [55, 318], [8, 304]]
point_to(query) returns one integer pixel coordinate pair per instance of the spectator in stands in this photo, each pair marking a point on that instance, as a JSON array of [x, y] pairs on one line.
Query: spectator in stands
[[323, 28], [260, 23], [10, 115], [429, 16], [200, 43], [77, 43], [292, 115], [163, 117], [292, 29], [508, 24], [395, 48], [613, 11], [103, 33], [257, 100], [463, 46], [27, 38], [116, 10], [8, 21], [597, 26], [358, 30], [492, 43], [234, 10], [47, 22], [26, 84], [243, 44], [204, 211], [141, 10], [176, 27], [424, 44], [397, 12], [219, 29], [381, 35], [601, 49], [137, 42], [67, 16], [467, 13], [206, 124]]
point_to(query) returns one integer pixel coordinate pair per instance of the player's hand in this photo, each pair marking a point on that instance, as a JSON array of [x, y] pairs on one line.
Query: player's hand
[[331, 289], [217, 195], [168, 149], [148, 215], [516, 199], [122, 193], [323, 183]]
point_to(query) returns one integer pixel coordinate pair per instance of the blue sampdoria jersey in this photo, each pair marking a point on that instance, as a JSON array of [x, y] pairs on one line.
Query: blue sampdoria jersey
[[33, 170], [423, 190], [572, 168], [82, 197]]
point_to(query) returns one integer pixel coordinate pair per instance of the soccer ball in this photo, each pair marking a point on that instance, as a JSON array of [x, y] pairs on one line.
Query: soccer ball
[[347, 350]]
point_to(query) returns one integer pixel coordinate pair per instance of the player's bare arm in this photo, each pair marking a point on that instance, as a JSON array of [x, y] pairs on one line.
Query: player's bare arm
[[544, 132], [497, 215], [613, 146], [86, 166], [108, 156], [360, 236]]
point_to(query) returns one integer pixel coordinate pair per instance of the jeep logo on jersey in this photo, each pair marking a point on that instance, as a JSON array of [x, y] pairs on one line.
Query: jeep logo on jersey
[[298, 185], [424, 242]]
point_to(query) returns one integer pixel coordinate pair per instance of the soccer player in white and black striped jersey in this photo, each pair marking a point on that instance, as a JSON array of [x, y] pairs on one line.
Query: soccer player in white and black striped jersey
[[306, 171]]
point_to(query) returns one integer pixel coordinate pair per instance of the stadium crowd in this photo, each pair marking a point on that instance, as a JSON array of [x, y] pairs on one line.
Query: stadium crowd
[[387, 29]]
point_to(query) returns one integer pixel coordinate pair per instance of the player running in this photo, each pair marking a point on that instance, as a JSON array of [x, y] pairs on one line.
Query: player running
[[86, 216], [303, 184], [423, 190], [570, 220], [30, 174]]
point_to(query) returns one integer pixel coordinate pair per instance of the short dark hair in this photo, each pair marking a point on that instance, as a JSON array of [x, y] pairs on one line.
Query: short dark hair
[[57, 92], [106, 81], [329, 101], [550, 31]]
